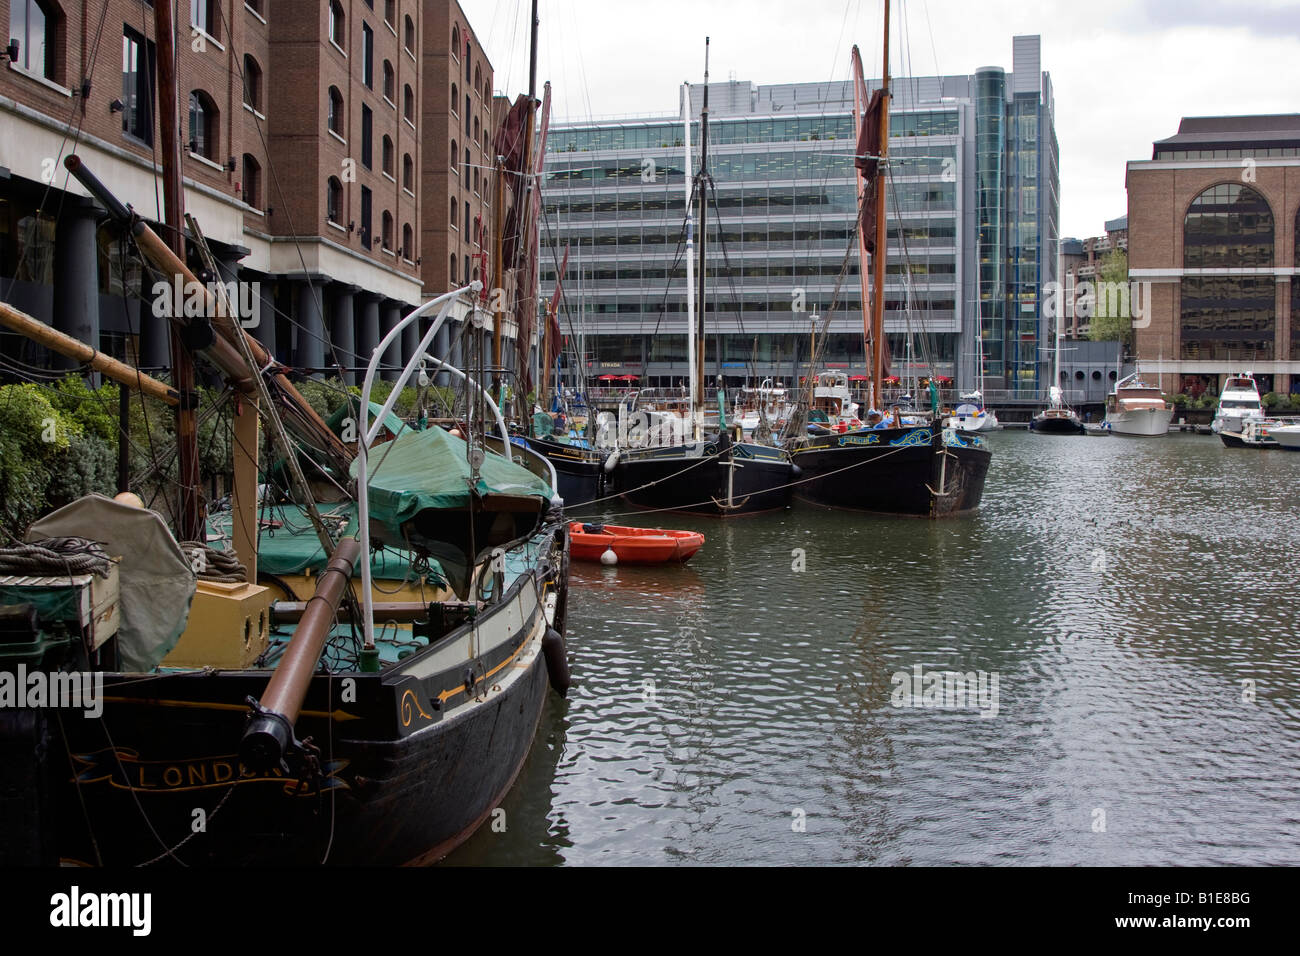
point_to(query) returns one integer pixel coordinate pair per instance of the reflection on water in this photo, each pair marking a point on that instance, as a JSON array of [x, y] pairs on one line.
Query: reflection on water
[[1134, 598]]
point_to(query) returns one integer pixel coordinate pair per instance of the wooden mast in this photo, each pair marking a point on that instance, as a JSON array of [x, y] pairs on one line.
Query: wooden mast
[[702, 189], [878, 258], [189, 521]]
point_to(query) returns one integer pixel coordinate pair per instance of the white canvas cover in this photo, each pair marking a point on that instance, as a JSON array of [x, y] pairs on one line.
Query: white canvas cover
[[157, 581]]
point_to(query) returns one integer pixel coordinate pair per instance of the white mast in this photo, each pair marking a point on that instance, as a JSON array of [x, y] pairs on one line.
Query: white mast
[[690, 262]]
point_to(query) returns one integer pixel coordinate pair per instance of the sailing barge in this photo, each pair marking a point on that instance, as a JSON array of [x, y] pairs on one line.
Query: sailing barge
[[897, 468], [316, 718]]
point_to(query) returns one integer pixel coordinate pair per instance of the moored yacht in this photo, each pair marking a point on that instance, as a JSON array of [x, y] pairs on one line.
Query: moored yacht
[[1238, 401], [972, 415], [1137, 408]]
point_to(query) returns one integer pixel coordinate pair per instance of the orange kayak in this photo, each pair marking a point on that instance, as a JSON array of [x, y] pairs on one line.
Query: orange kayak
[[632, 545]]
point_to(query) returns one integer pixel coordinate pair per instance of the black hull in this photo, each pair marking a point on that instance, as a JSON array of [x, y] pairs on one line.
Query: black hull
[[409, 762], [700, 479], [1234, 440], [1056, 426], [895, 471], [579, 472]]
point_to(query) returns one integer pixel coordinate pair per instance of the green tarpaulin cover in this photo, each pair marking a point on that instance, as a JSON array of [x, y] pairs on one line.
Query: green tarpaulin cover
[[349, 410], [430, 469]]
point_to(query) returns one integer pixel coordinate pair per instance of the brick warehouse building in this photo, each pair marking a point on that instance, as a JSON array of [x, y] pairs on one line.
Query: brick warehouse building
[[1214, 218], [306, 160]]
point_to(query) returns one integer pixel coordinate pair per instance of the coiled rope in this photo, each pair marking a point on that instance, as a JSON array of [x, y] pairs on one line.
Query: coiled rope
[[56, 556], [213, 565]]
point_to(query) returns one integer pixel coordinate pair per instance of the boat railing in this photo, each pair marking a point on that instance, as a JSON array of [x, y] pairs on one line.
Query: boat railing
[[368, 432]]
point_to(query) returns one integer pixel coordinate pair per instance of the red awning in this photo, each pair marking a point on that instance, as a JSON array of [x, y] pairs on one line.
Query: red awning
[[857, 378], [608, 378], [628, 378]]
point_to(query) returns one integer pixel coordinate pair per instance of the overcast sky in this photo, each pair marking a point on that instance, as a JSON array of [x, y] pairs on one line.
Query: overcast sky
[[1124, 73]]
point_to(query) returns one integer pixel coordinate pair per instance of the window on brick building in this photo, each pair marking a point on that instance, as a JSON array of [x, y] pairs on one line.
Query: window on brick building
[[451, 267], [455, 41], [138, 57], [367, 137], [203, 125], [466, 166], [453, 212], [468, 109], [336, 25], [467, 49], [252, 83], [390, 12], [386, 231], [476, 129], [334, 201], [408, 103], [366, 204], [455, 156], [35, 25], [386, 158], [335, 118], [205, 15], [390, 83], [408, 172], [252, 181], [410, 35], [408, 243], [367, 56]]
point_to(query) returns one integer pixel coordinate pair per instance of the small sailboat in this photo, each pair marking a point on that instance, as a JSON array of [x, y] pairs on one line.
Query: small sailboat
[[590, 542], [1057, 418]]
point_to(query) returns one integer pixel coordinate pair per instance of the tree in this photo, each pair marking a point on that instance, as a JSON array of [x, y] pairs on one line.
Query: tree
[[1112, 318]]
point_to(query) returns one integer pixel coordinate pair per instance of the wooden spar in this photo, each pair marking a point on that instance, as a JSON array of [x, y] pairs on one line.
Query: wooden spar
[[290, 612], [56, 341], [268, 735], [222, 351], [878, 259], [189, 519]]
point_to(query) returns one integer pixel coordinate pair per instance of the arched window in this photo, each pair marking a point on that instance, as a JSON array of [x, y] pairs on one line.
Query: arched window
[[386, 158], [252, 181], [478, 78], [408, 243], [34, 24], [455, 41], [203, 125], [476, 129], [467, 165], [386, 230], [334, 201], [390, 12], [467, 49], [455, 156], [390, 83], [410, 34], [408, 103], [468, 109], [336, 24], [335, 118], [408, 172], [252, 83], [476, 179], [451, 268], [1228, 226], [1228, 317], [453, 212], [455, 97]]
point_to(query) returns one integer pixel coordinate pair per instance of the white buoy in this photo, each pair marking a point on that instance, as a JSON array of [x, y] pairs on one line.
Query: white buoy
[[609, 557]]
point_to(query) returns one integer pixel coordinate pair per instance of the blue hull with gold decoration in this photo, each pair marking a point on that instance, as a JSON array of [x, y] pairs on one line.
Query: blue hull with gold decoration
[[919, 471], [398, 765], [579, 471], [718, 478]]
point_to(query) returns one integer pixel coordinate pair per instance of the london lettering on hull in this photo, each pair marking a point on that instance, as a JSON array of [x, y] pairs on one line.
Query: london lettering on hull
[[123, 768]]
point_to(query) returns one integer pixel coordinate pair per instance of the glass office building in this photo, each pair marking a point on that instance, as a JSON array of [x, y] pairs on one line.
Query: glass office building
[[972, 180]]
